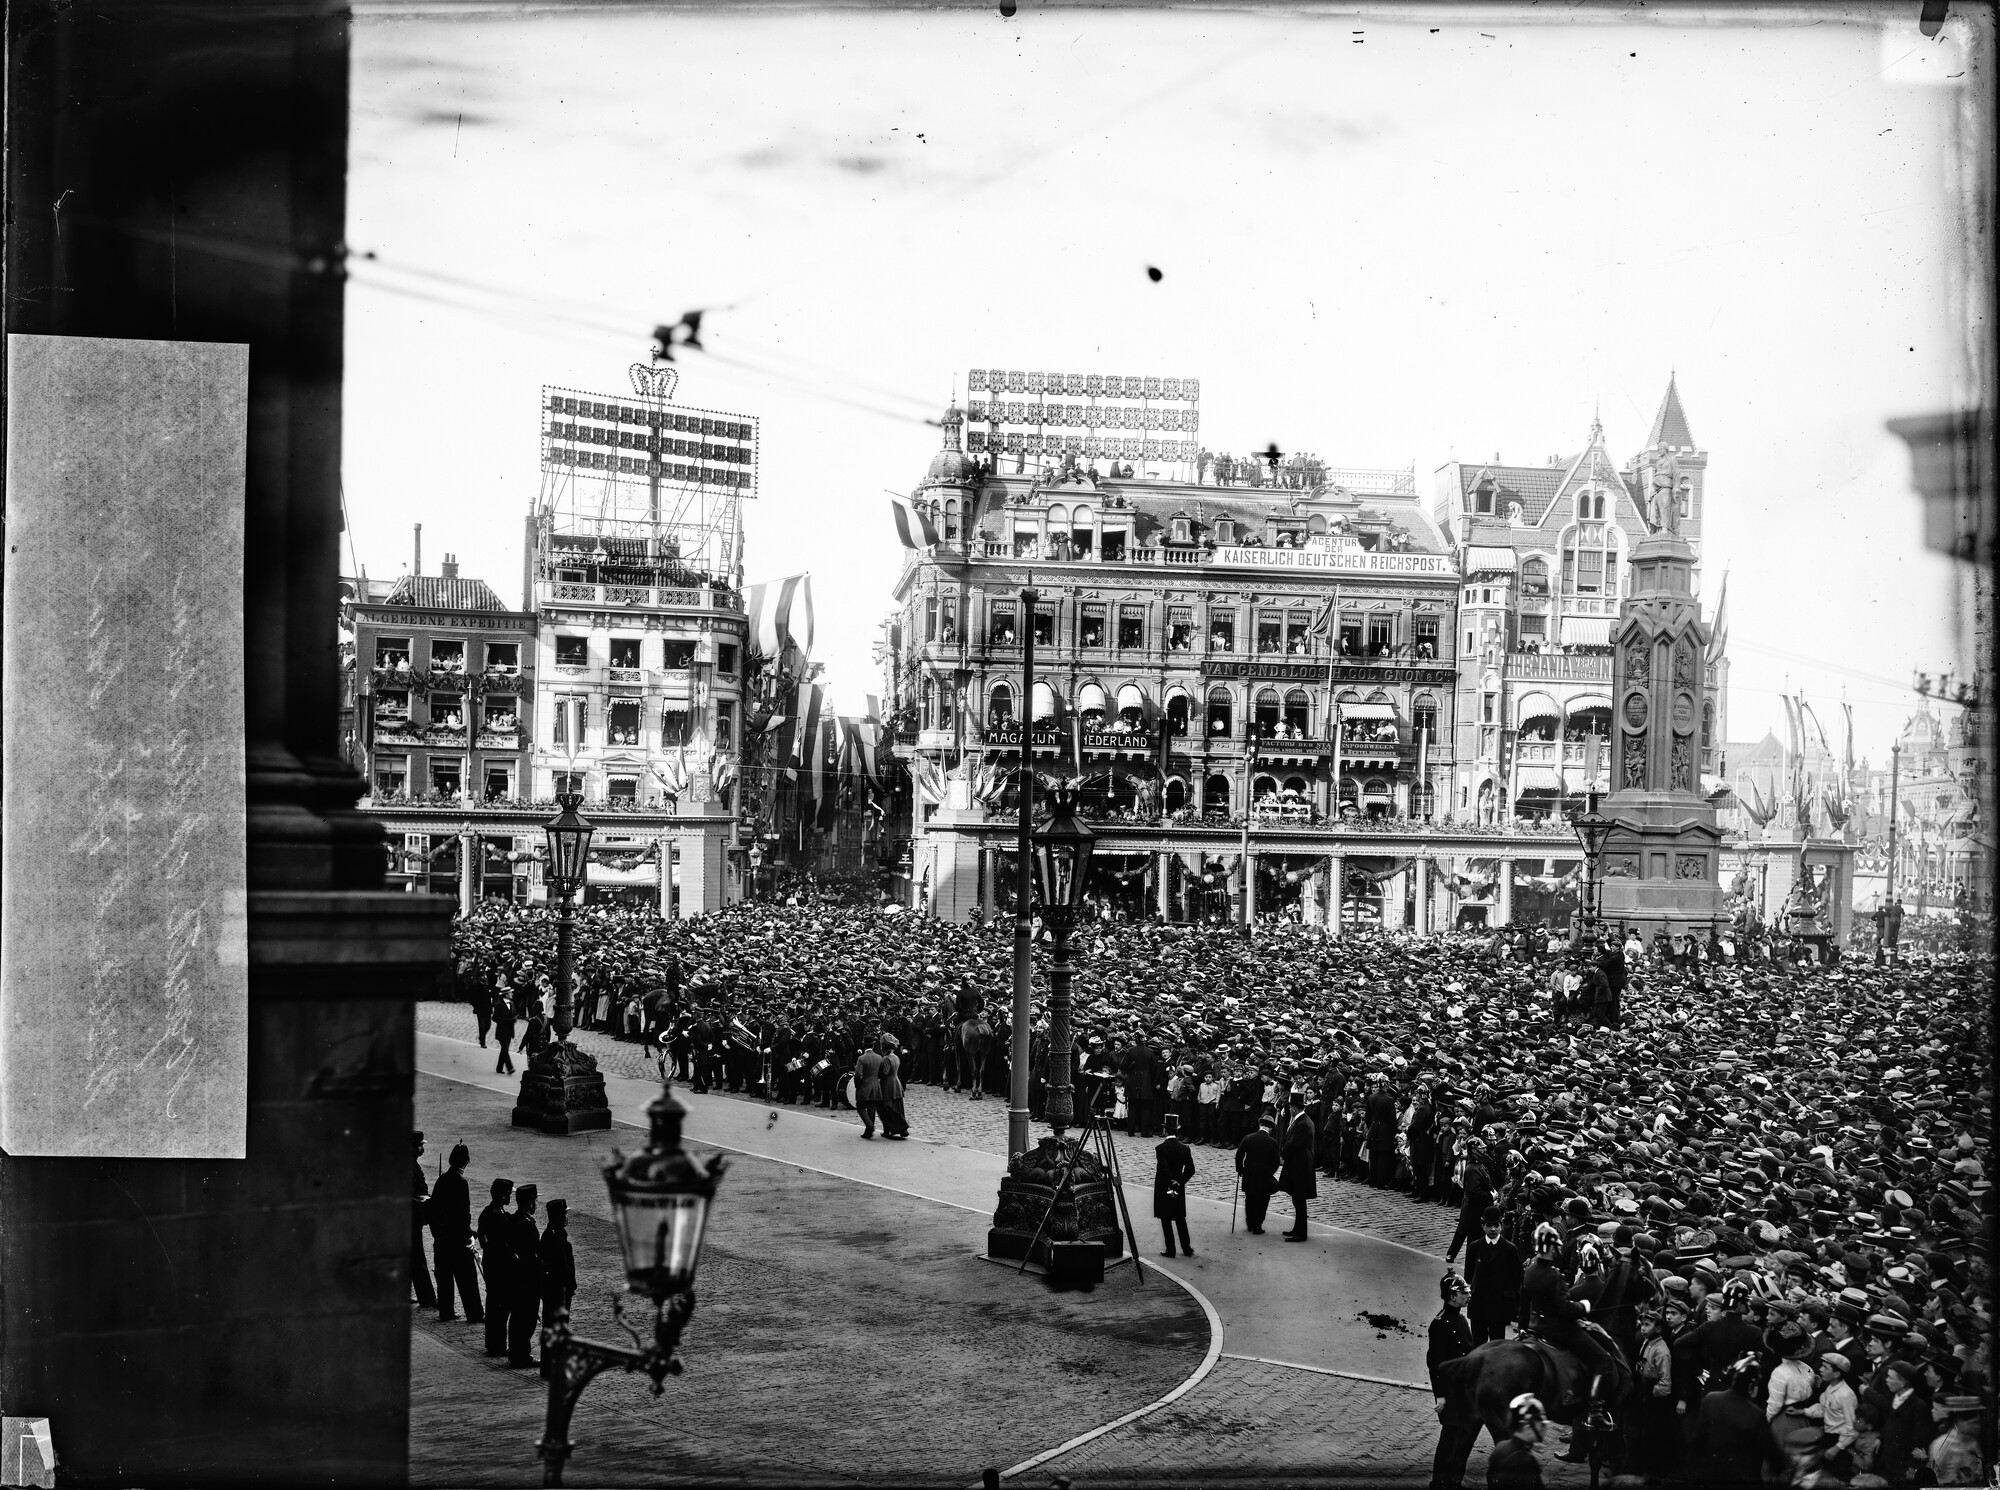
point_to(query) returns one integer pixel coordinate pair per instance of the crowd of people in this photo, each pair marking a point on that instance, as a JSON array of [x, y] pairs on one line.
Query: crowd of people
[[1793, 1146]]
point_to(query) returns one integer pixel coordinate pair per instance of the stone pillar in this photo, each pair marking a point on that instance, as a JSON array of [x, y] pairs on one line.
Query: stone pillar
[[1336, 876], [666, 878], [468, 871], [1423, 926], [1250, 888], [245, 112], [1393, 891], [1163, 870], [1504, 895]]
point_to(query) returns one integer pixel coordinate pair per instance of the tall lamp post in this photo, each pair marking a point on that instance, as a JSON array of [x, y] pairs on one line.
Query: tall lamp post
[[1018, 1089], [1593, 830], [659, 1202], [1062, 853], [562, 1090]]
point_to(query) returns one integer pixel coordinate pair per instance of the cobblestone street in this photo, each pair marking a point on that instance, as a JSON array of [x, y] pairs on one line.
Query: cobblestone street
[[843, 1334], [952, 1118]]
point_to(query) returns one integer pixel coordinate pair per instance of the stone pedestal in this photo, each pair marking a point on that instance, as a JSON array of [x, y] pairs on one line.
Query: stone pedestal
[[562, 1091], [1035, 1198]]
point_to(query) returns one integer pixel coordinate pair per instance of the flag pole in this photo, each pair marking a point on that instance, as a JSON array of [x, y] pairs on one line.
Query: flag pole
[[1024, 930]]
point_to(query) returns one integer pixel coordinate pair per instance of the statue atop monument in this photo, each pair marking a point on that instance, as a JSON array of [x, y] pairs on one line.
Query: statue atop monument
[[1663, 502]]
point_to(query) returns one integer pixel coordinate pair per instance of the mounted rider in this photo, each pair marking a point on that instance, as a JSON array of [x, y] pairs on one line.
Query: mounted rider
[[1552, 1314]]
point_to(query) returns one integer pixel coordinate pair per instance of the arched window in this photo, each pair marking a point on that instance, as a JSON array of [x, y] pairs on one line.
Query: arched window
[[1707, 726], [1044, 704], [951, 517], [1225, 532], [1268, 714], [1378, 697], [1535, 577], [1000, 705], [1179, 529], [1590, 561], [1424, 715], [1175, 796], [1178, 705], [1220, 716], [1215, 796], [1296, 784], [1058, 518], [1298, 713], [928, 703], [1262, 787], [1090, 706], [1131, 705], [1082, 532]]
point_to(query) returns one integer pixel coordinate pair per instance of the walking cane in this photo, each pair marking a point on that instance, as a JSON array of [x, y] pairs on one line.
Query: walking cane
[[1232, 1202]]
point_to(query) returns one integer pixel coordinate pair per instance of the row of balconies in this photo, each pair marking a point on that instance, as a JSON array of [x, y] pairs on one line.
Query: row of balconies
[[945, 647], [640, 595]]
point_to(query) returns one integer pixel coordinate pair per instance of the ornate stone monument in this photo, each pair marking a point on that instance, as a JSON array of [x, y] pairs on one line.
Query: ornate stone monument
[[1040, 1206], [1661, 862]]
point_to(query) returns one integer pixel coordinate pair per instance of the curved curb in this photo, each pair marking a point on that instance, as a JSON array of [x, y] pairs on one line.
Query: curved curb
[[1194, 1380]]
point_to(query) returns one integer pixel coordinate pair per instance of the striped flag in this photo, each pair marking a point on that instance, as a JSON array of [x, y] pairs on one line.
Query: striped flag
[[1718, 629], [808, 717], [817, 745], [913, 525], [722, 774], [781, 612], [571, 713], [672, 774], [867, 734], [928, 778]]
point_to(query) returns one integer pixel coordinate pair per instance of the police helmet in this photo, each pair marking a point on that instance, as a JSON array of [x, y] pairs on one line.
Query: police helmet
[[1451, 1285], [1547, 1239], [1526, 1408]]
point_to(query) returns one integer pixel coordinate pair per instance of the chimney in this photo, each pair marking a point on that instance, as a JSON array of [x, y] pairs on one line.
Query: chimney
[[451, 566], [417, 567]]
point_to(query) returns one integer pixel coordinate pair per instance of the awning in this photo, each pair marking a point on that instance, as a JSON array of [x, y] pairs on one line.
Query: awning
[[1586, 631], [1589, 701], [1367, 711], [1489, 558], [1535, 778], [1539, 706]]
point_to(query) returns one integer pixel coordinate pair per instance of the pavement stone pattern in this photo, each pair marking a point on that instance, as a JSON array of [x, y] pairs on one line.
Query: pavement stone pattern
[[1276, 1425], [841, 1334], [951, 1117]]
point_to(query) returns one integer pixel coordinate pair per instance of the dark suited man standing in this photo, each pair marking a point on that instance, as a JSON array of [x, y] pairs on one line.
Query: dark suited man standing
[[1297, 1177], [1257, 1159], [451, 1239], [1380, 1112], [496, 1252], [1175, 1168], [1493, 1272], [524, 1278], [1423, 1144], [503, 1034], [558, 1267], [420, 1273]]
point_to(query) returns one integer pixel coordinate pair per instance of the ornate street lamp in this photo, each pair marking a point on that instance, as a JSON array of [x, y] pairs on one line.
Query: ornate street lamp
[[660, 1199], [1062, 852], [569, 854], [562, 1090], [1593, 830]]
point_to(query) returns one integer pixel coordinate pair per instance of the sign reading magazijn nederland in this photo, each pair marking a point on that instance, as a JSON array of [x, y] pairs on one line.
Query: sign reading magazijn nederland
[[1053, 737]]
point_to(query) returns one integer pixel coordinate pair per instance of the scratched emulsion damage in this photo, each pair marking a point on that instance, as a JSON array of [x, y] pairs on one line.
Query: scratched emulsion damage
[[105, 844], [185, 773]]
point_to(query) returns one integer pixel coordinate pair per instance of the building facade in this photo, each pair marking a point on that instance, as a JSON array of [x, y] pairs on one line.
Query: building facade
[[1242, 652], [1544, 555]]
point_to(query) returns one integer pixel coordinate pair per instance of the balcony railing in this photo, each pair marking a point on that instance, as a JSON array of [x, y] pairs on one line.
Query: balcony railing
[[626, 674], [644, 595]]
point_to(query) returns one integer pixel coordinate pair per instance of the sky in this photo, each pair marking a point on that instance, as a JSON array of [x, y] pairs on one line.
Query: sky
[[1391, 239]]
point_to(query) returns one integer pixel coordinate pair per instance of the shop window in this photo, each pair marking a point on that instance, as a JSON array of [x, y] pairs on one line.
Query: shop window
[[1131, 628], [677, 655], [393, 652], [572, 651], [447, 656], [624, 651], [503, 657]]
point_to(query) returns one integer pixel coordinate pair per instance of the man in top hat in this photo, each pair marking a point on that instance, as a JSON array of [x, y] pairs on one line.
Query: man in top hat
[[1257, 1160], [1174, 1167], [1296, 1177]]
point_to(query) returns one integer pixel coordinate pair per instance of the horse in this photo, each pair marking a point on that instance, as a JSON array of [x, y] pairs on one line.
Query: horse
[[975, 1039], [1477, 1387]]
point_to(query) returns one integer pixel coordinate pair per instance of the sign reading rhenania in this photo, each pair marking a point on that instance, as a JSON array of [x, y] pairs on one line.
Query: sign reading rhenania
[[1341, 559]]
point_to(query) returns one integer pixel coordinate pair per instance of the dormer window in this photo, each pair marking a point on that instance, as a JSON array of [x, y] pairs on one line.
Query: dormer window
[[1180, 529], [1225, 531], [1482, 496]]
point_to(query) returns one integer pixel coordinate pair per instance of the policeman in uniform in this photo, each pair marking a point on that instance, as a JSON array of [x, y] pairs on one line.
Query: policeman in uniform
[[1553, 1315]]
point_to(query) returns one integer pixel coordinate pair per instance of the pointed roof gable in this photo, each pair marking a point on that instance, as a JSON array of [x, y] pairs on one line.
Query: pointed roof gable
[[1670, 425], [1593, 466], [434, 592]]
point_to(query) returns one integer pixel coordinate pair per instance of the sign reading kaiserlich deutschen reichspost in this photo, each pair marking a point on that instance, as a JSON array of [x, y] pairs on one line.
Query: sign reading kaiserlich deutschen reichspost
[[1337, 559]]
